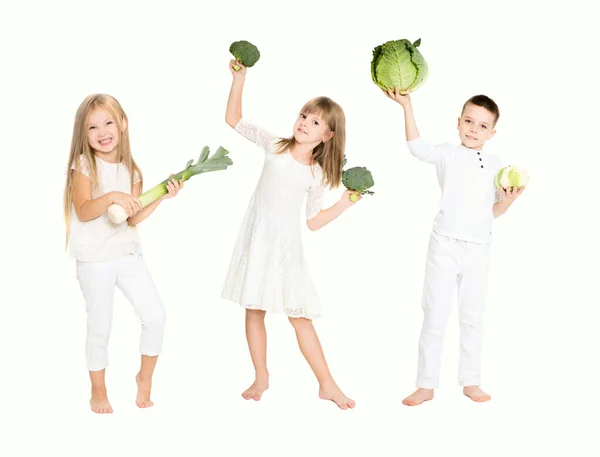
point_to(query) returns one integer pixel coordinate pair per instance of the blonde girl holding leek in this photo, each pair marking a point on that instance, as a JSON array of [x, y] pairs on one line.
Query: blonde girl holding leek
[[267, 270], [100, 172]]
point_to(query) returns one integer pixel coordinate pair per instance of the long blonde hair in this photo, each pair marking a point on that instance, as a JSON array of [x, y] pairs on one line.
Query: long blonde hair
[[329, 155], [80, 146]]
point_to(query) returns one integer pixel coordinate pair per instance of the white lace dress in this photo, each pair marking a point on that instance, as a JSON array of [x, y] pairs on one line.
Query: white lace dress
[[267, 269]]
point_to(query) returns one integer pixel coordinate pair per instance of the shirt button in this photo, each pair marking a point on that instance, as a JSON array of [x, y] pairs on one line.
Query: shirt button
[[482, 166], [480, 159], [479, 153]]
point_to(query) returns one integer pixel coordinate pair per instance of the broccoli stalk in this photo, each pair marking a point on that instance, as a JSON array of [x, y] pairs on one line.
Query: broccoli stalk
[[245, 53], [358, 180], [218, 161]]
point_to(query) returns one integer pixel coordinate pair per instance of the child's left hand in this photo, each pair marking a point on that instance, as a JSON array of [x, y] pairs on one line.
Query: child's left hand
[[511, 195], [347, 201], [173, 187]]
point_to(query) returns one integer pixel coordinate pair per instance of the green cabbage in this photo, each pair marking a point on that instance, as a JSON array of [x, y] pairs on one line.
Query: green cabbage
[[399, 64]]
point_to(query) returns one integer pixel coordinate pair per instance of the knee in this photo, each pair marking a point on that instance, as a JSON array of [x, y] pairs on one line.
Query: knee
[[434, 327], [471, 323], [255, 315], [98, 330], [300, 323], [155, 320]]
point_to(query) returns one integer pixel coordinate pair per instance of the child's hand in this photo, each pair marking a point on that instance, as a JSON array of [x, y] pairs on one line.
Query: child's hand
[[130, 204], [345, 198], [173, 187], [241, 73], [511, 195], [401, 98]]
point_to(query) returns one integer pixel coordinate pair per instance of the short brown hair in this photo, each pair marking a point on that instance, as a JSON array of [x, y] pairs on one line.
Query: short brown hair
[[485, 102]]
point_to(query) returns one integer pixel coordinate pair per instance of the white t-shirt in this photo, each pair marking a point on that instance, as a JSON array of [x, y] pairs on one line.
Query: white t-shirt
[[100, 240], [466, 178]]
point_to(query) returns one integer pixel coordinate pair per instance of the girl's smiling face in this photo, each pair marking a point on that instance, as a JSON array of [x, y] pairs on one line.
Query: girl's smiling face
[[102, 131]]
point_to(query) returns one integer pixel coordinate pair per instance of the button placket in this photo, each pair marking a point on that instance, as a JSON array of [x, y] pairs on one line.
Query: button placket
[[480, 159]]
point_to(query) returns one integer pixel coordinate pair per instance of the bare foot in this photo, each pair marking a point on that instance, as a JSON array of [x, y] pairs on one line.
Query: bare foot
[[476, 394], [418, 396], [143, 394], [256, 390], [99, 402], [334, 393]]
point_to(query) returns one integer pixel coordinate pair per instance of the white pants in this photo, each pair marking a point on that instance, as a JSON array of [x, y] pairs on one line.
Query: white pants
[[452, 263], [98, 281]]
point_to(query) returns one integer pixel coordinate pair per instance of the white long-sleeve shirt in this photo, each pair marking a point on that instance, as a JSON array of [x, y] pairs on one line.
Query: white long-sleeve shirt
[[466, 178]]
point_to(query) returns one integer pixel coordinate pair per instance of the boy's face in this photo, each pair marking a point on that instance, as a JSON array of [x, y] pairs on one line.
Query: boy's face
[[475, 126]]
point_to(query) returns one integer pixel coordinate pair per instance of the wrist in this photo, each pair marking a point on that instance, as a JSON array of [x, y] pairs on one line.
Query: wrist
[[344, 202]]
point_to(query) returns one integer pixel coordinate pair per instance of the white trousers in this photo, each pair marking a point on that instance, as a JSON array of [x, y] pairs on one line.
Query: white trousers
[[98, 281], [453, 263]]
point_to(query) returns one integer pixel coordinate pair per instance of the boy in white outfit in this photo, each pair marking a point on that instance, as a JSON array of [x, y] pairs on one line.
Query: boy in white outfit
[[459, 244]]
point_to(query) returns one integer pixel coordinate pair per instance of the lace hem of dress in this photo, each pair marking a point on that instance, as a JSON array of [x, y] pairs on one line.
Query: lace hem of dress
[[293, 313]]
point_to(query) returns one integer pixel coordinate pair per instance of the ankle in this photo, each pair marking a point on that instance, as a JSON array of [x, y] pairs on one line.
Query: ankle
[[99, 391], [261, 374], [327, 383]]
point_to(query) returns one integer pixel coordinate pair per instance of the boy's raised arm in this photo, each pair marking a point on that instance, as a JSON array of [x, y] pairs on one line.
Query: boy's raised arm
[[410, 124]]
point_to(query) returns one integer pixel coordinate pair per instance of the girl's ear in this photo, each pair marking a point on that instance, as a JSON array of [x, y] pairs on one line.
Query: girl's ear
[[123, 125], [328, 136]]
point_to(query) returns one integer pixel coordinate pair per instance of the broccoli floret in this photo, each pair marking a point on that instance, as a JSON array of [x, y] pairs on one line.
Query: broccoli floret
[[358, 179], [245, 53]]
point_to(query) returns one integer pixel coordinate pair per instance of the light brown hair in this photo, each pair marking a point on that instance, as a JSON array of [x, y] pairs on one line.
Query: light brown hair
[[80, 146], [329, 155]]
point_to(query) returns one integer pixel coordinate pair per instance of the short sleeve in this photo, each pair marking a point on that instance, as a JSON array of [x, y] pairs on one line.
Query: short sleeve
[[314, 199], [425, 152], [255, 134], [82, 167], [136, 177]]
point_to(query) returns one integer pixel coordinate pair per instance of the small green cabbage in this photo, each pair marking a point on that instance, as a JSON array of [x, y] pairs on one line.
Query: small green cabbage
[[399, 64], [510, 177], [357, 179], [245, 53]]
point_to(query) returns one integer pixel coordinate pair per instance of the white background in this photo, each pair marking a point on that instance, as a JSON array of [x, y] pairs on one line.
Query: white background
[[166, 62]]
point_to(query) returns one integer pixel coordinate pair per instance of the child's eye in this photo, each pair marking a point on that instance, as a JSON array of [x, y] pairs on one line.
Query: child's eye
[[91, 127], [316, 122], [468, 121], [303, 116], [484, 126], [109, 122]]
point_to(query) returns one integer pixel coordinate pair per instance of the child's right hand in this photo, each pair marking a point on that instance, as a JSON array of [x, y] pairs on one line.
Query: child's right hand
[[130, 204], [241, 73], [401, 98]]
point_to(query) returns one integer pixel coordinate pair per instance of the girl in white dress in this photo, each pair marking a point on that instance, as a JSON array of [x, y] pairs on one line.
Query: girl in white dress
[[268, 271], [102, 172]]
